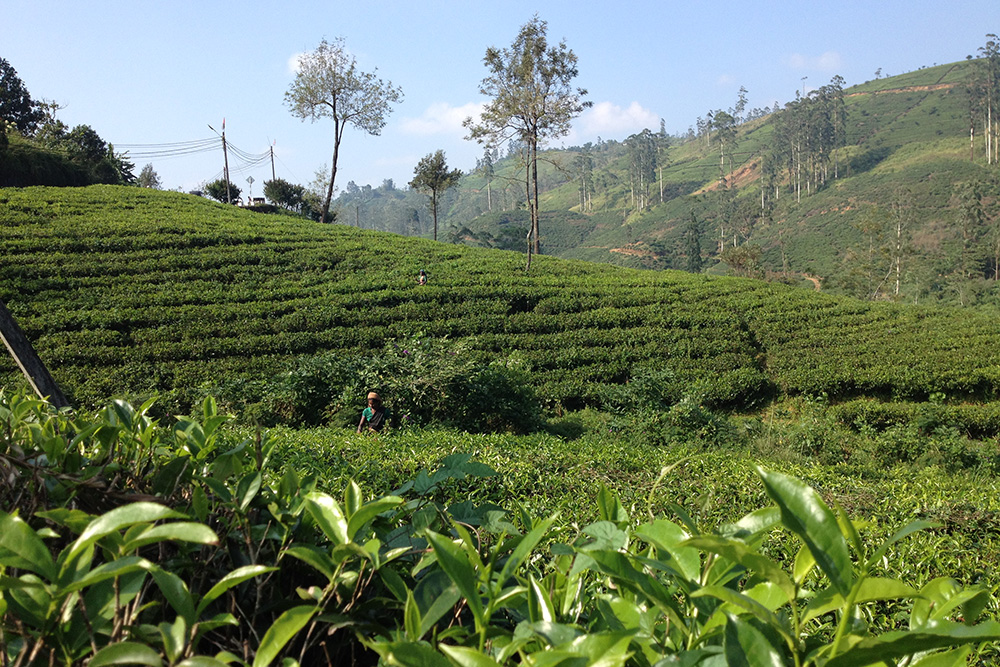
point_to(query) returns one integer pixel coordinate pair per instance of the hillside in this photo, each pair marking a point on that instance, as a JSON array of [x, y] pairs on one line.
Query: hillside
[[127, 291], [899, 172]]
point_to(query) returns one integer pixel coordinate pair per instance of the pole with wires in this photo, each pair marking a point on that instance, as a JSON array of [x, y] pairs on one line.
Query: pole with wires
[[225, 163]]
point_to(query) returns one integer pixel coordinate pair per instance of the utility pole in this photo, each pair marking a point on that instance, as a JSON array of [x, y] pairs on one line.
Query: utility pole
[[272, 161], [225, 160], [27, 360]]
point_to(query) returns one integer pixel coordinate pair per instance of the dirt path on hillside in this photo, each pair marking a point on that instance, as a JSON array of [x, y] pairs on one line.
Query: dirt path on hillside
[[907, 89]]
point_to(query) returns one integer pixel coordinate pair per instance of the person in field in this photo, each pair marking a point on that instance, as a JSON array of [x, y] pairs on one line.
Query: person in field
[[422, 278], [375, 416]]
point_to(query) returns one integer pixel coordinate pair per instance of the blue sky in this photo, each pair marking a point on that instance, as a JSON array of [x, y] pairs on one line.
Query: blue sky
[[152, 73]]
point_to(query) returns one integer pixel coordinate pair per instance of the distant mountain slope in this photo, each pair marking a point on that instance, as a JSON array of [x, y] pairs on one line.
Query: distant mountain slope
[[905, 159]]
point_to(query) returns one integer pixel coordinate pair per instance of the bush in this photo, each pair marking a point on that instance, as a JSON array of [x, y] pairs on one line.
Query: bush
[[421, 379]]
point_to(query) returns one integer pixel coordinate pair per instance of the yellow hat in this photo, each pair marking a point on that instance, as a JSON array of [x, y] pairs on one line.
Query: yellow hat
[[372, 394]]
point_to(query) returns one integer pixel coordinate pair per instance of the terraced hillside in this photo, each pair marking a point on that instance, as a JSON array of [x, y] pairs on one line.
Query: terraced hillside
[[131, 291]]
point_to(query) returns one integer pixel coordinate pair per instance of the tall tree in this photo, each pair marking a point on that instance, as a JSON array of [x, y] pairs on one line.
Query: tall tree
[[532, 100], [985, 91], [692, 245], [642, 155], [432, 174], [583, 164], [329, 84], [485, 168], [16, 105]]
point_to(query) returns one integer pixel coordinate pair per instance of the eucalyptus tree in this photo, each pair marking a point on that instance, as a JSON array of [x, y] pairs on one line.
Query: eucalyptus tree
[[432, 174], [724, 125], [328, 84], [532, 100], [485, 168], [642, 153], [985, 96], [583, 165]]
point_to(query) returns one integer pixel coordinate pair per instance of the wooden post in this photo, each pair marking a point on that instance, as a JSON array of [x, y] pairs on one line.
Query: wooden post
[[32, 367]]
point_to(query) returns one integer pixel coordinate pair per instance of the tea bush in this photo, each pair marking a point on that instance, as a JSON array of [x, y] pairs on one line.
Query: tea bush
[[208, 553], [420, 378]]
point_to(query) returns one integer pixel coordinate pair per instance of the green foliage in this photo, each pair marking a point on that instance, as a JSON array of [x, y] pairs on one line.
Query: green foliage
[[224, 192], [287, 195], [16, 105], [421, 379], [148, 178], [328, 84], [256, 564], [121, 302], [432, 174]]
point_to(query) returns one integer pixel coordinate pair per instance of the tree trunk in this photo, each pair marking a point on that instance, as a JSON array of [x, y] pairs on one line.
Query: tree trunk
[[533, 148], [337, 135], [434, 212]]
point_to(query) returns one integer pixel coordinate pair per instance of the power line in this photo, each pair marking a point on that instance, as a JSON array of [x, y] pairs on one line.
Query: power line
[[244, 161]]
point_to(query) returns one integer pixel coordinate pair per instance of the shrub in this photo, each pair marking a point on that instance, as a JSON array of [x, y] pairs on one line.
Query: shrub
[[421, 379]]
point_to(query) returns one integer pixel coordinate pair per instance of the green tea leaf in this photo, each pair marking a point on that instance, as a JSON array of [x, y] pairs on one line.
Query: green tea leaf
[[117, 519], [667, 537], [455, 562], [281, 632], [126, 653], [21, 547], [747, 646], [313, 556], [805, 514], [871, 589], [934, 635], [327, 513], [180, 531], [411, 618], [738, 552], [369, 511], [174, 638], [464, 656], [234, 578], [176, 592]]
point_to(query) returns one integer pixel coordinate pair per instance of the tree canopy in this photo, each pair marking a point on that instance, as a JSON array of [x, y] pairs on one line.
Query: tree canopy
[[16, 105], [432, 174], [532, 99], [328, 84]]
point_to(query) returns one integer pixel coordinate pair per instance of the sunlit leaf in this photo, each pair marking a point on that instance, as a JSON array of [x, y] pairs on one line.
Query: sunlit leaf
[[281, 632], [805, 514], [329, 516], [126, 653], [455, 562], [20, 547]]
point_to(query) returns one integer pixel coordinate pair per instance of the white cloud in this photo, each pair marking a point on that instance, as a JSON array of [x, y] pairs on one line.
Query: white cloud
[[831, 61], [293, 62], [606, 119], [441, 118]]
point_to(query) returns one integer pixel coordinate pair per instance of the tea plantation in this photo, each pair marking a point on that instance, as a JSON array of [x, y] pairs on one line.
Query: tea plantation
[[589, 465]]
